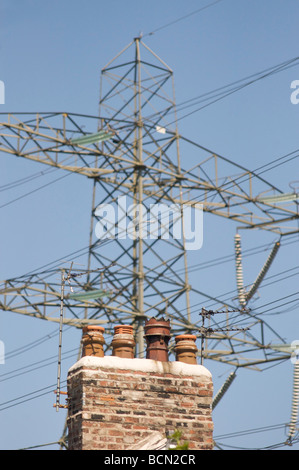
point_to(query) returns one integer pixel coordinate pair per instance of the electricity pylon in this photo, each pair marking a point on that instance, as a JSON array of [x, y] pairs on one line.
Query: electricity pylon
[[132, 153]]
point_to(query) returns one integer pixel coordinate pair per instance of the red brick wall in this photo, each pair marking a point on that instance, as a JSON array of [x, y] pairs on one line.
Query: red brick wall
[[114, 406]]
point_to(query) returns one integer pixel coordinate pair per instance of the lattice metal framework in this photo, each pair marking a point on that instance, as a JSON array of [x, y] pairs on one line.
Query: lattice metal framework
[[132, 155]]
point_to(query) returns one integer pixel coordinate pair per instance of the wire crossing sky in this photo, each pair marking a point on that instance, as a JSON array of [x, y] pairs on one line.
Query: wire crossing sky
[[46, 217], [182, 18]]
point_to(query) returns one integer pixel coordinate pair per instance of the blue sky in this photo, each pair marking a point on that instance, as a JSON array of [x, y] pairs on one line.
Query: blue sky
[[51, 56]]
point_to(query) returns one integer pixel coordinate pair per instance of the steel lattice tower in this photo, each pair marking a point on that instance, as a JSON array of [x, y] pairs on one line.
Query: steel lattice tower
[[132, 153], [145, 170]]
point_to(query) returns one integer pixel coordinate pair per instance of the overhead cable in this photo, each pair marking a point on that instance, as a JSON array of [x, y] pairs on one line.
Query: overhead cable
[[182, 18]]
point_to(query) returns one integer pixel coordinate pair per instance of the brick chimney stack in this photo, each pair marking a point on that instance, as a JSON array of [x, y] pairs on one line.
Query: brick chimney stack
[[116, 402]]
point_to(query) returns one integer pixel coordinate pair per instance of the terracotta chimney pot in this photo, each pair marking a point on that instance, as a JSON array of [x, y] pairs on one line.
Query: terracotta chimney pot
[[157, 335], [93, 341], [123, 343], [186, 349]]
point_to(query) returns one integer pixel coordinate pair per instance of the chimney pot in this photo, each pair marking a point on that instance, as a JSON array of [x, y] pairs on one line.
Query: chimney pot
[[123, 343], [157, 335], [185, 349], [93, 341]]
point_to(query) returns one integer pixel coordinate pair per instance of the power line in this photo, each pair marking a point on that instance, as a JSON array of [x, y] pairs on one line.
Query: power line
[[269, 71], [226, 90], [11, 403], [258, 76], [234, 290], [265, 73], [27, 179], [227, 258], [216, 94], [29, 346], [219, 259], [271, 447], [207, 264], [277, 300], [255, 315], [193, 307], [252, 431], [249, 174], [82, 251], [36, 365], [35, 190], [195, 12]]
